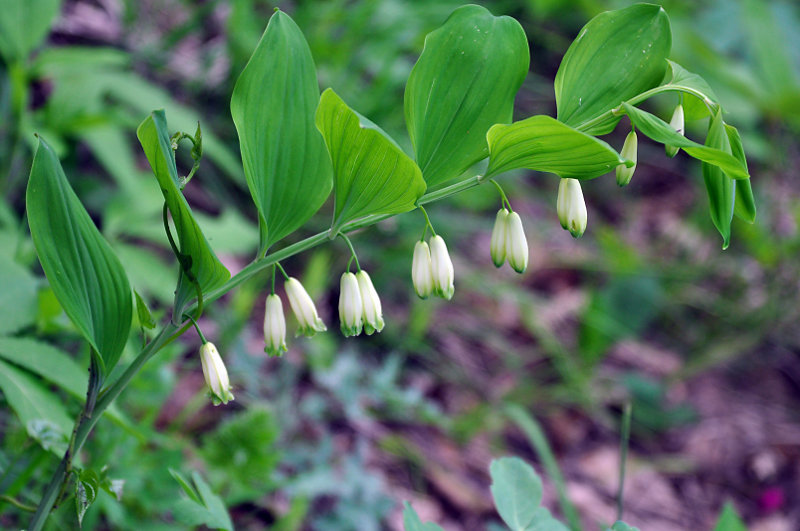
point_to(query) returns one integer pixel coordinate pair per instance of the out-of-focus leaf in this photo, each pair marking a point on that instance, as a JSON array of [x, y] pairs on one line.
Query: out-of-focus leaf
[[198, 261], [273, 104], [619, 525], [616, 56], [412, 522], [729, 519], [517, 491], [745, 204], [372, 175], [84, 273], [542, 143], [721, 188], [464, 82], [660, 131], [18, 296], [544, 521], [203, 507], [38, 409], [24, 25]]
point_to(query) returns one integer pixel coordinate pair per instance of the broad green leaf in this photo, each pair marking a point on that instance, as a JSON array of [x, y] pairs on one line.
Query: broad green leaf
[[660, 131], [23, 26], [18, 295], [202, 507], [86, 488], [84, 273], [729, 520], [412, 522], [464, 82], [720, 187], [197, 259], [697, 94], [745, 204], [42, 414], [517, 491], [273, 105], [543, 143], [543, 521], [616, 56], [372, 175]]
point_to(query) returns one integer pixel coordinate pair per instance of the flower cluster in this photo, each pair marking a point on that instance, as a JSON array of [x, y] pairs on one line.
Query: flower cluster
[[508, 241], [308, 321], [432, 270]]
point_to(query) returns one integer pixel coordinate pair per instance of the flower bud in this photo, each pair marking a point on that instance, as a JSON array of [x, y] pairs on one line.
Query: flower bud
[[516, 243], [371, 304], [216, 374], [422, 270], [442, 267], [350, 306], [274, 326], [629, 148], [303, 308], [571, 207], [677, 123], [497, 247]]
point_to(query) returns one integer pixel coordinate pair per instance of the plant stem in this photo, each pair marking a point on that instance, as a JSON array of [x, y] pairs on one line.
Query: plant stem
[[428, 224], [353, 255], [625, 435]]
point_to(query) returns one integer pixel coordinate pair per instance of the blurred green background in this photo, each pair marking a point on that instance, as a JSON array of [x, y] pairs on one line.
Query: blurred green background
[[646, 307]]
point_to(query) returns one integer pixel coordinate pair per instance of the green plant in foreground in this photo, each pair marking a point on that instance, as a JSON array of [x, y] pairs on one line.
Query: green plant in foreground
[[298, 145]]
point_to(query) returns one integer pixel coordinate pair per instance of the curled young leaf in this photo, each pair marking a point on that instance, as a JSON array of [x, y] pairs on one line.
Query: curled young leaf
[[721, 188]]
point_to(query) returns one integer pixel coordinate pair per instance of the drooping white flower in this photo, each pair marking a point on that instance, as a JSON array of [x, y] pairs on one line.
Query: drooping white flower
[[571, 207], [350, 306], [216, 374], [629, 151], [677, 123], [442, 267], [422, 270], [303, 307], [274, 326], [372, 315], [497, 247], [516, 243]]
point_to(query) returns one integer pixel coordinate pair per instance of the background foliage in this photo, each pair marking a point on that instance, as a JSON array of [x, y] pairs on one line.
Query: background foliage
[[645, 307]]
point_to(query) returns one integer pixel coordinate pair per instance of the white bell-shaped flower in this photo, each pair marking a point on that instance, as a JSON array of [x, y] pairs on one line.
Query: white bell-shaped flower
[[216, 374], [571, 207], [497, 246], [371, 304], [351, 308], [303, 307], [442, 266], [422, 270], [274, 327], [516, 243], [629, 151], [677, 123]]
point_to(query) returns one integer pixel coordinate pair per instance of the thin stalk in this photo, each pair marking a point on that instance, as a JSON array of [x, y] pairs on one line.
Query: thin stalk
[[283, 271], [18, 504], [428, 224], [503, 199], [352, 252], [625, 435]]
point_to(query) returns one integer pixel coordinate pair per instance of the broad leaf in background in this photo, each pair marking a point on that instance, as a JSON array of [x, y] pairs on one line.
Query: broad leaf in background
[[542, 143], [412, 522], [39, 410], [464, 82], [372, 175], [23, 26], [619, 525], [84, 273], [721, 188], [616, 56], [18, 295], [273, 104], [202, 507], [517, 491], [729, 520], [745, 204], [697, 94], [660, 131], [197, 259]]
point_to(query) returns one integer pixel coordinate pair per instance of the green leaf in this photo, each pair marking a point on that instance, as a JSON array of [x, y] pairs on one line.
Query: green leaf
[[84, 273], [143, 312], [517, 491], [543, 143], [23, 26], [745, 204], [18, 297], [463, 83], [660, 131], [197, 259], [86, 487], [617, 55], [619, 525], [203, 507], [412, 522], [42, 414], [698, 95], [721, 188], [372, 175], [544, 521], [273, 104], [729, 520]]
